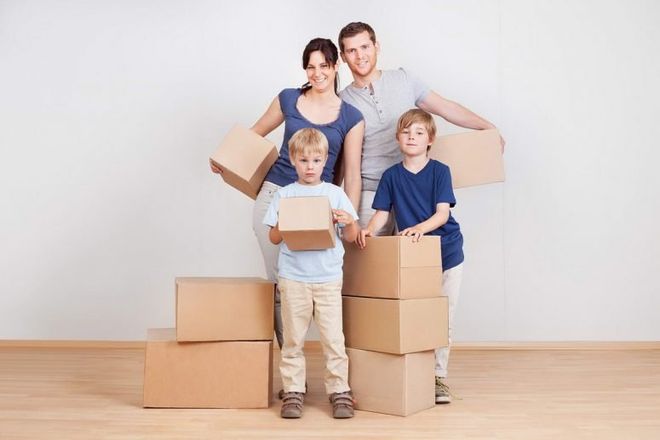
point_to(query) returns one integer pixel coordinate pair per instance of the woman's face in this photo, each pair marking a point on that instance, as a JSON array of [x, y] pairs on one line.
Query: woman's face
[[320, 73]]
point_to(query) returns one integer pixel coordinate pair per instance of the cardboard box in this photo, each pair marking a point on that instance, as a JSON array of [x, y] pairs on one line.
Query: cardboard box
[[396, 326], [474, 157], [306, 223], [224, 309], [245, 158], [393, 267], [392, 384], [206, 374]]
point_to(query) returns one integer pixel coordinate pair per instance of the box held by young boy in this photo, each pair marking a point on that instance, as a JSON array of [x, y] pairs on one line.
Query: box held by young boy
[[306, 223]]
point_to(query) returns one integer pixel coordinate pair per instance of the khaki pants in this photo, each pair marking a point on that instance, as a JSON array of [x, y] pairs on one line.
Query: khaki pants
[[451, 286], [300, 303]]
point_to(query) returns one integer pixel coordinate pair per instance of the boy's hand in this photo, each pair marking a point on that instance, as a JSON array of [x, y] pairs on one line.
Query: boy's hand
[[413, 232], [362, 238], [215, 168], [341, 216]]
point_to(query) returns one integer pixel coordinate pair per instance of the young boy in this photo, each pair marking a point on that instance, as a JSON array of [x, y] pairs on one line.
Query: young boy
[[310, 282], [420, 191]]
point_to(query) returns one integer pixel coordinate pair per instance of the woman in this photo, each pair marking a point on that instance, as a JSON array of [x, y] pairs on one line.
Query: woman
[[316, 104]]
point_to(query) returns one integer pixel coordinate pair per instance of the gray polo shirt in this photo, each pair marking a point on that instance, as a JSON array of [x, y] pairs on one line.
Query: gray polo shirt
[[395, 92]]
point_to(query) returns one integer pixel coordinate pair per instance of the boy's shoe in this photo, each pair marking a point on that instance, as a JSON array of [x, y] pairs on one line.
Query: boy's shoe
[[442, 393], [292, 405], [342, 405]]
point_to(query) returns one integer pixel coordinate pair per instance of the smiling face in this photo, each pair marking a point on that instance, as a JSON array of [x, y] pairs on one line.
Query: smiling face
[[361, 55], [320, 72], [414, 139]]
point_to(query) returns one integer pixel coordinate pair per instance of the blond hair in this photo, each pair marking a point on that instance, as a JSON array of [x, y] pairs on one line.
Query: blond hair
[[307, 141], [417, 116]]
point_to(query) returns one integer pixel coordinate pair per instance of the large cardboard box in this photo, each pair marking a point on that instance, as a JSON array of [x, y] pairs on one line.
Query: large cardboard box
[[392, 384], [245, 158], [393, 267], [224, 309], [396, 326], [306, 223], [206, 374], [474, 157]]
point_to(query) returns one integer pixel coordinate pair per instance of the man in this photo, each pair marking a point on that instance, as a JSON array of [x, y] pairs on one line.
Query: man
[[382, 96]]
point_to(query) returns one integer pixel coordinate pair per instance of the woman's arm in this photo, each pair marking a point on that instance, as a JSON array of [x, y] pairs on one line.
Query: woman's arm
[[270, 120], [352, 163]]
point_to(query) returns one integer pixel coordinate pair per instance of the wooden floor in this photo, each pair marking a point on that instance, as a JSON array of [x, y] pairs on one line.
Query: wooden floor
[[96, 393]]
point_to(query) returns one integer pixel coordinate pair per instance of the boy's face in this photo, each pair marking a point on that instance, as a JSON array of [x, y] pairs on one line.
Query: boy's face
[[309, 167], [361, 54], [414, 140]]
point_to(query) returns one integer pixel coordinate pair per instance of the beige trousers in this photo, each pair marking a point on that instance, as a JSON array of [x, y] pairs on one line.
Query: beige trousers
[[300, 303]]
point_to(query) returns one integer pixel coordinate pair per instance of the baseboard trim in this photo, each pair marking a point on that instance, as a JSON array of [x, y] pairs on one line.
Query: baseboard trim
[[316, 345], [46, 343]]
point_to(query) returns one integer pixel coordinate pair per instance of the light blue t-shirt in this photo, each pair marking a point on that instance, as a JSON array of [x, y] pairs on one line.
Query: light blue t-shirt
[[316, 266]]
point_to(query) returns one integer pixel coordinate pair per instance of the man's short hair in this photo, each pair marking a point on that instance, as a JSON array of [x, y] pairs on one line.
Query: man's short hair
[[307, 141], [352, 29]]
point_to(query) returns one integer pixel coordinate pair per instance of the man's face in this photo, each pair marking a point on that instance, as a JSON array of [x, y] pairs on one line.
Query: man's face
[[361, 54]]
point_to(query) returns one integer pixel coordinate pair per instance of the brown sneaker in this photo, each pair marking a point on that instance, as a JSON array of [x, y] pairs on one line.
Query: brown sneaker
[[292, 405], [342, 405]]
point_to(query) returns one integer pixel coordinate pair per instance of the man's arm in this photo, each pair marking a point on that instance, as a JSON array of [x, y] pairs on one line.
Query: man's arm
[[352, 162], [377, 221], [455, 113]]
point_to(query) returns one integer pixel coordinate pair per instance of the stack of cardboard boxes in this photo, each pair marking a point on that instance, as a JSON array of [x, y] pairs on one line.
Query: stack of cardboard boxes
[[394, 318], [220, 353]]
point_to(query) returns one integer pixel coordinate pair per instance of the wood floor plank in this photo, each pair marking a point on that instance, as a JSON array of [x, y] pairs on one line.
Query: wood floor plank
[[84, 393]]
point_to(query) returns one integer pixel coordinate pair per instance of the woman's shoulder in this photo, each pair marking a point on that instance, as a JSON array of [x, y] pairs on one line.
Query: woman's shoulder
[[289, 95], [351, 112]]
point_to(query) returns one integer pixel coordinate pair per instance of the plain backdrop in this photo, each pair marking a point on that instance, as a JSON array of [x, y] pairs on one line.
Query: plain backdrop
[[110, 109]]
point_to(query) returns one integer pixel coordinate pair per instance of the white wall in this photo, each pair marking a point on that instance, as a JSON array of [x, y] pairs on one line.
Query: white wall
[[109, 110]]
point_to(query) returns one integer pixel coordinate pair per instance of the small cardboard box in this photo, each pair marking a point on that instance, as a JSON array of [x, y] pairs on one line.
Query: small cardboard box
[[245, 158], [393, 267], [306, 223], [474, 157], [206, 374], [396, 326], [392, 384], [224, 309]]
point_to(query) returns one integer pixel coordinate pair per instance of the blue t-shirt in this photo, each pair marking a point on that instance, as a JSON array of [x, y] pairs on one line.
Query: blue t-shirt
[[315, 266], [282, 172], [414, 198]]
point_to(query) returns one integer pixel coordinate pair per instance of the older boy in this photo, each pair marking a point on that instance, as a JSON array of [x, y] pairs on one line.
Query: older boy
[[381, 96], [310, 282], [420, 191]]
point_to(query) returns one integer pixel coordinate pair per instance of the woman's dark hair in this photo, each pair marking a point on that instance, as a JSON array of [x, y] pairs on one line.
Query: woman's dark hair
[[329, 51]]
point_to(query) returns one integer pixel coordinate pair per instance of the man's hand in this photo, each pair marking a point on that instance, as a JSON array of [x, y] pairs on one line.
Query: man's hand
[[362, 238]]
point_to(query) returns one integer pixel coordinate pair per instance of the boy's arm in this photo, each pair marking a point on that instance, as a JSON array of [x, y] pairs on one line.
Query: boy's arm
[[432, 223], [350, 230], [455, 113], [274, 234], [377, 221]]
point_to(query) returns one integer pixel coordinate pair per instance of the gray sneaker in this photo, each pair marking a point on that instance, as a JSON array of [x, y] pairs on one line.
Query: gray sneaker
[[292, 405], [442, 393], [342, 405]]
